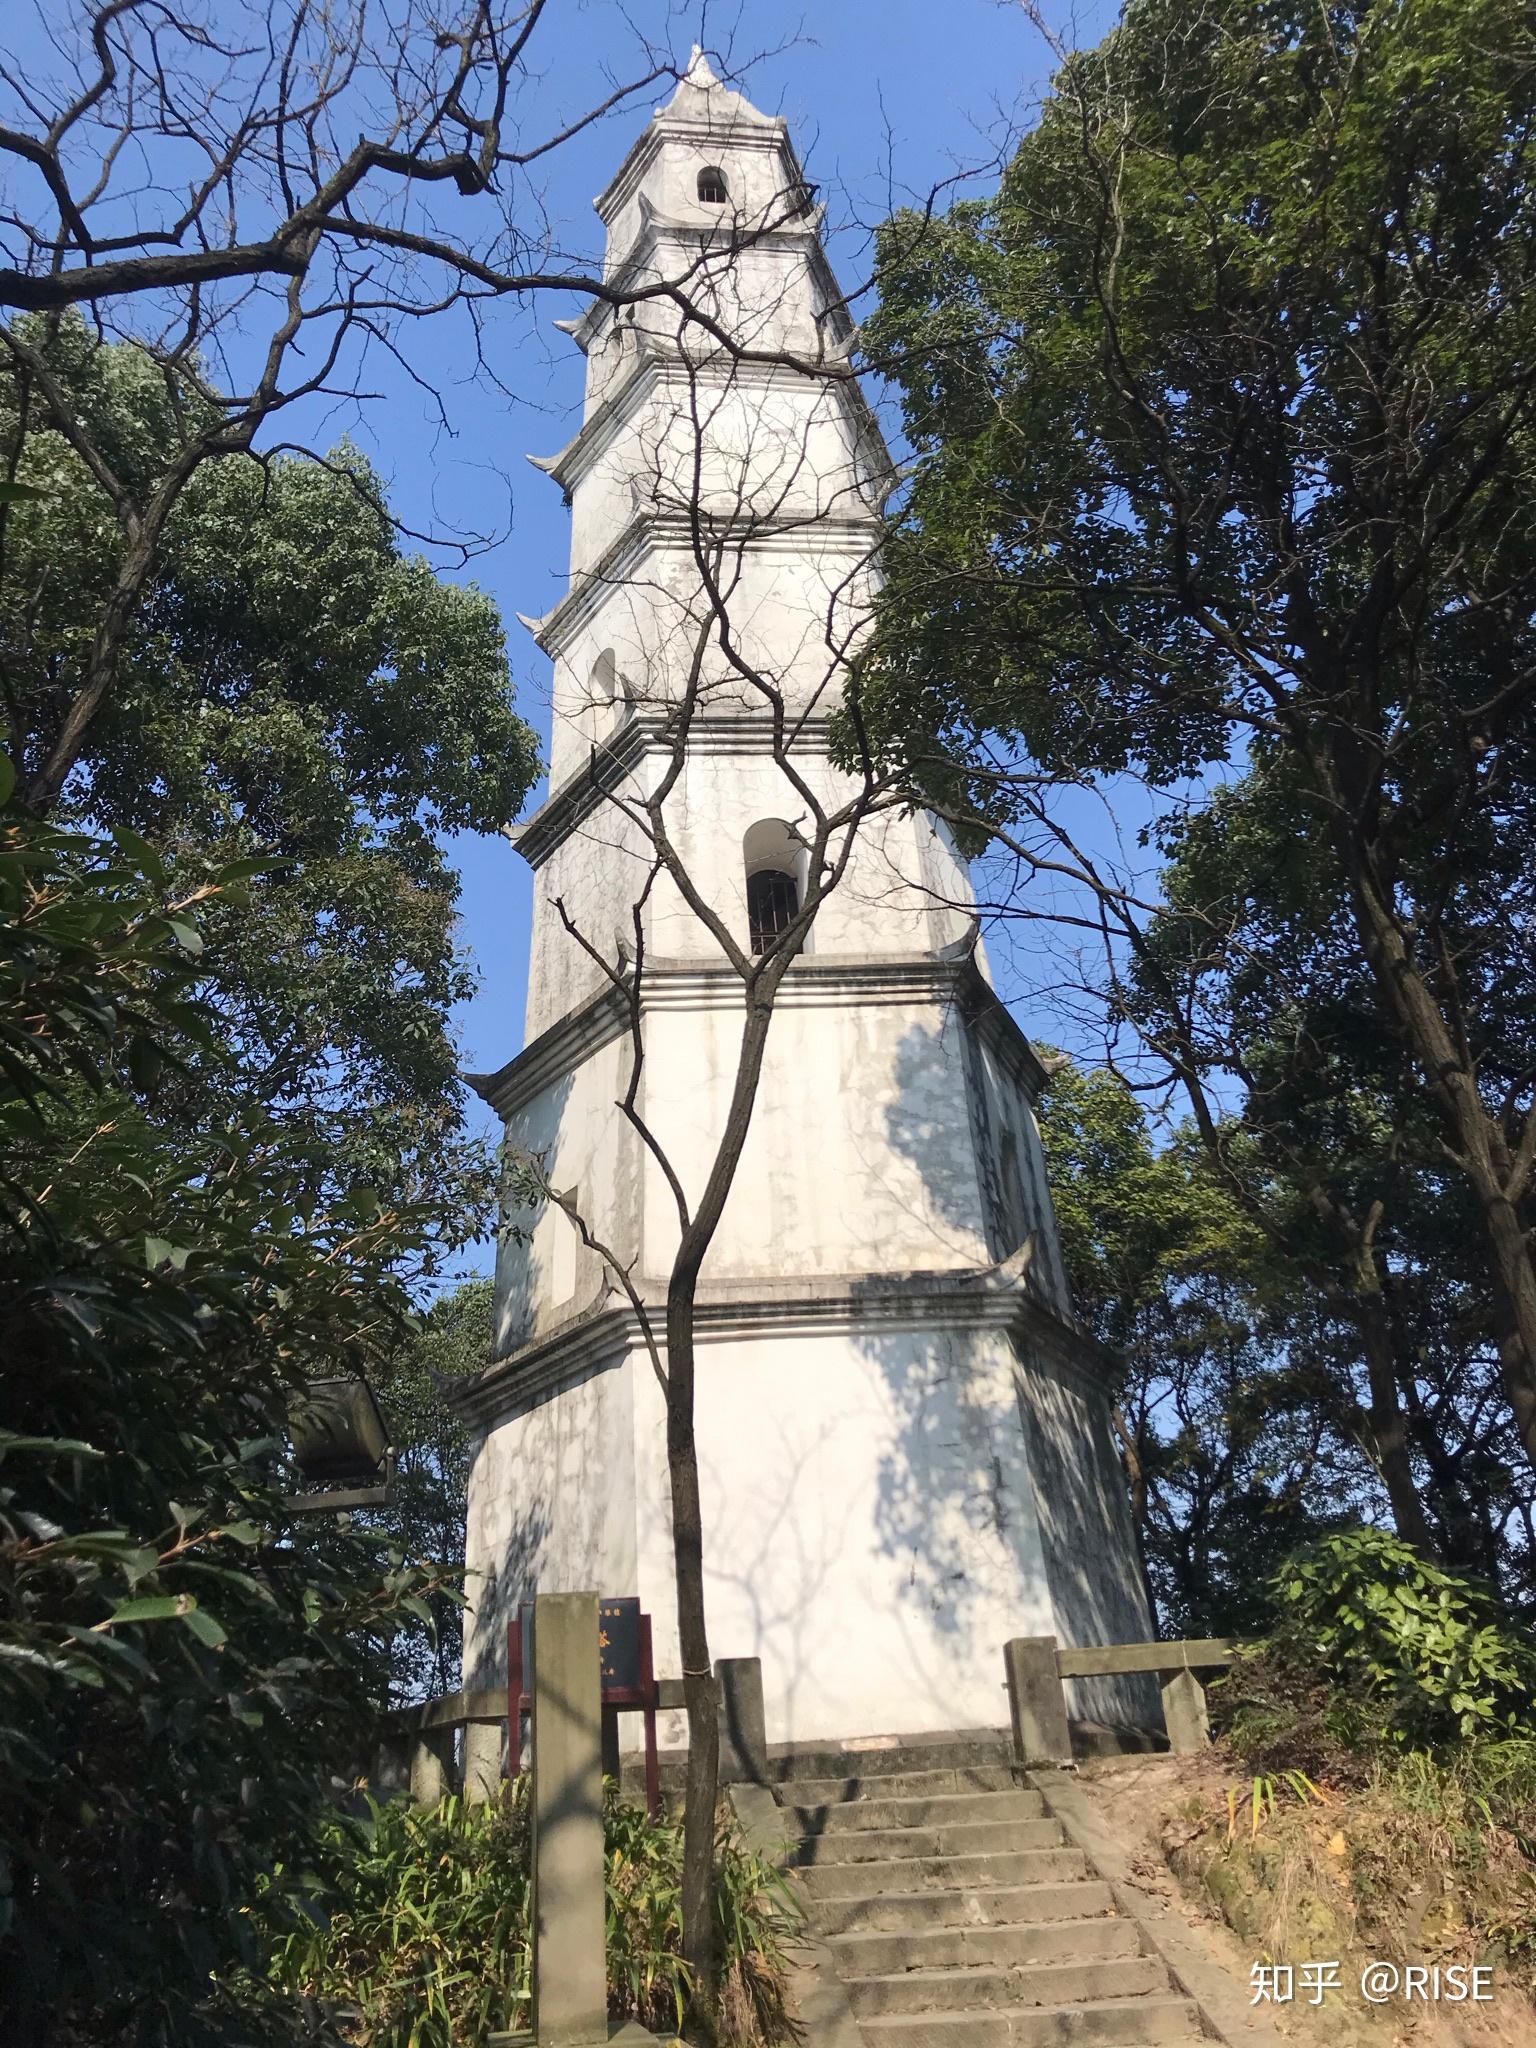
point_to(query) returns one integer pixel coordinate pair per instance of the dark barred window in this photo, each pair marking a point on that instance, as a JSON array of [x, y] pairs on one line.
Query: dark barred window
[[712, 190], [772, 900]]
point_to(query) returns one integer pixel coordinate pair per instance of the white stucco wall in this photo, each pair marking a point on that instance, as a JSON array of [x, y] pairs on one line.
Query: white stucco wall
[[857, 1159], [551, 1508], [585, 1149], [890, 901], [795, 607], [872, 1530]]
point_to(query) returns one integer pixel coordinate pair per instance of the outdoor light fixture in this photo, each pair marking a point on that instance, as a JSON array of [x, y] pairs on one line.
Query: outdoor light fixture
[[341, 1447]]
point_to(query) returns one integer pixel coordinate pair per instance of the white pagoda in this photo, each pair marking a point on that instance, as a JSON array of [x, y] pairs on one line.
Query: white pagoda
[[904, 1437]]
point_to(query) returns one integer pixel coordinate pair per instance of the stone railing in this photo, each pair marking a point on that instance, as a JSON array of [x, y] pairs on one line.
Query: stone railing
[[1036, 1665], [419, 1751]]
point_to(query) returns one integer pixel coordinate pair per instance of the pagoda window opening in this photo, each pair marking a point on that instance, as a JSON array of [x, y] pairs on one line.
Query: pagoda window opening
[[775, 861], [772, 901], [713, 190], [608, 694]]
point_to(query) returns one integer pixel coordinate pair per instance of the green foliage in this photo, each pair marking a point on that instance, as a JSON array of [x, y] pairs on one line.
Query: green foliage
[[1146, 424], [418, 1928], [1252, 958], [1374, 1649], [1224, 435], [1410, 1695], [425, 1519], [295, 686], [1230, 1465], [181, 1664], [1135, 1220], [229, 1141]]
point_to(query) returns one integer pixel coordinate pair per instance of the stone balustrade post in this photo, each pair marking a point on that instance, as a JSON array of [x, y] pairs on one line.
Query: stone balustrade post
[[1184, 1712], [482, 1761], [1036, 1702], [743, 1721], [431, 1765], [570, 1995]]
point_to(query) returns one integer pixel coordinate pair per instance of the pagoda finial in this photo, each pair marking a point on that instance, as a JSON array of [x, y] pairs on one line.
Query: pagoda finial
[[699, 72], [702, 95]]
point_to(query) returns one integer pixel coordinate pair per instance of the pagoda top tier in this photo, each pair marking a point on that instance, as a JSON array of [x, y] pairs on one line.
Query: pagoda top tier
[[707, 161]]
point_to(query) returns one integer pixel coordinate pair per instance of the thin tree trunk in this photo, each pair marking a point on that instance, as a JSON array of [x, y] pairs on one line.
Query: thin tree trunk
[[1475, 1138], [1388, 1426], [700, 1692], [1136, 1483]]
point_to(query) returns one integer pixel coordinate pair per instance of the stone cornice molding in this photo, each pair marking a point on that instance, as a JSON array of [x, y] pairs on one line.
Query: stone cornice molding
[[651, 531], [857, 1304], [847, 980], [647, 730], [657, 367], [639, 267]]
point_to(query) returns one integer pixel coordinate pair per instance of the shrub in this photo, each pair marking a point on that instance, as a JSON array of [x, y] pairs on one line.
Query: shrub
[[419, 1935], [1373, 1649]]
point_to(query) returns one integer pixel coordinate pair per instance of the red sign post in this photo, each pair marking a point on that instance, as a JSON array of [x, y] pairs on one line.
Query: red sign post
[[628, 1682]]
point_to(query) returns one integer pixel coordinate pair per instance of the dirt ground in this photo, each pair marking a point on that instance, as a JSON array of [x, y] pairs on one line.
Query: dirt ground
[[1163, 1808]]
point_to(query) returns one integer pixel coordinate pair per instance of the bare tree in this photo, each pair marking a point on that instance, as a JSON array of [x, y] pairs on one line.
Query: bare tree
[[257, 206]]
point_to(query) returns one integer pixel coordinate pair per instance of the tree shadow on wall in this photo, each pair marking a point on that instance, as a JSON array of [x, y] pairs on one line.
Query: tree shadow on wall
[[499, 1588], [775, 1567], [1000, 1480]]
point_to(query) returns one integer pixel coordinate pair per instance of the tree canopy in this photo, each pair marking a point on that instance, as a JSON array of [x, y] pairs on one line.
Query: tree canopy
[[231, 1146], [292, 686], [181, 1660], [1222, 417]]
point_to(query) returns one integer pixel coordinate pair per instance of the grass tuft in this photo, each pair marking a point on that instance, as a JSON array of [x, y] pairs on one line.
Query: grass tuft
[[417, 1929]]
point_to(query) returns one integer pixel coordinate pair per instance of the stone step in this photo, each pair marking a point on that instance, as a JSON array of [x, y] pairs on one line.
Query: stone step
[[964, 1946], [967, 1906], [1046, 1984], [969, 1838], [1118, 2023], [833, 1760], [942, 1873], [861, 1784], [843, 1816]]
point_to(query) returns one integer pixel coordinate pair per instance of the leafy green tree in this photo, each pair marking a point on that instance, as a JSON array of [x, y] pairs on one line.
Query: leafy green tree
[[292, 685], [1223, 419], [230, 1138], [425, 1520], [1236, 1436], [1250, 969], [181, 1661]]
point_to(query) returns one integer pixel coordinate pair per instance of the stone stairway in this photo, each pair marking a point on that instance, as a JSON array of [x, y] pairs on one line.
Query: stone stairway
[[959, 1916]]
